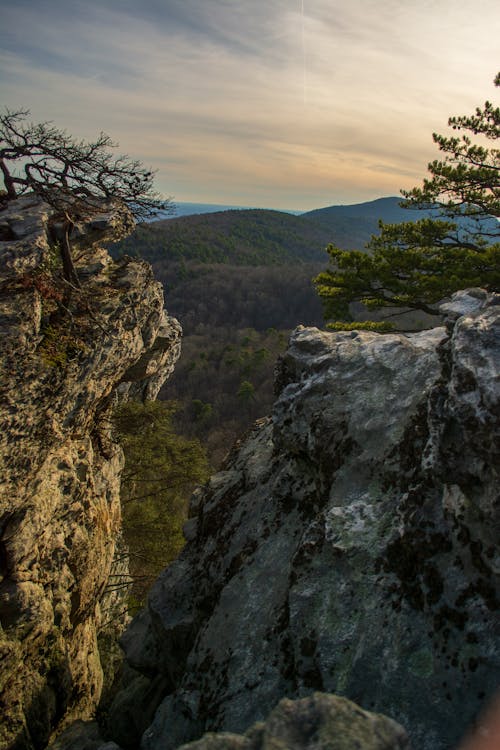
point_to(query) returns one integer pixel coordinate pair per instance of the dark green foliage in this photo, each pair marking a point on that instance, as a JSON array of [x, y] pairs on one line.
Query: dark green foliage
[[246, 392], [161, 470], [411, 265], [414, 265], [243, 238]]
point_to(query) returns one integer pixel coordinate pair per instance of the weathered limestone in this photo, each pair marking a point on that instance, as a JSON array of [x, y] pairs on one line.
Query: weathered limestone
[[350, 546], [63, 357]]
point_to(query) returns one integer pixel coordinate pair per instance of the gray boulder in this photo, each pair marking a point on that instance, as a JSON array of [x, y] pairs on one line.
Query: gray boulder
[[350, 544], [319, 722]]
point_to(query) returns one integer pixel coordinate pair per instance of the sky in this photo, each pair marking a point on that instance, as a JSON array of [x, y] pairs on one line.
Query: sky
[[292, 104]]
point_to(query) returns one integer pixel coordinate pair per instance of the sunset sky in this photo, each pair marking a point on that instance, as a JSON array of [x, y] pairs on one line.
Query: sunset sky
[[291, 104]]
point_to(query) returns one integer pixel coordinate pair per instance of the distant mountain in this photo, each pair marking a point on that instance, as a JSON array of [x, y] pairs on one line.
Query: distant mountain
[[352, 225], [226, 231], [263, 237], [194, 209], [258, 237], [386, 209]]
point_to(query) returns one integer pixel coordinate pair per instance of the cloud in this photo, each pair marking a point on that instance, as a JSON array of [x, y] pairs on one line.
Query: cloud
[[244, 98]]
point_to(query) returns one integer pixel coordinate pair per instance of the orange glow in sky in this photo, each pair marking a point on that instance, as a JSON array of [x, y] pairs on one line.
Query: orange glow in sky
[[278, 103]]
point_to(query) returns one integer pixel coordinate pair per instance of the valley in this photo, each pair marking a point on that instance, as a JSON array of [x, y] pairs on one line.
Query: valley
[[240, 281]]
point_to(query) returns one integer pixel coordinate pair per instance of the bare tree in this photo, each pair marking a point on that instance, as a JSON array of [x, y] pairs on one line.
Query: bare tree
[[75, 177]]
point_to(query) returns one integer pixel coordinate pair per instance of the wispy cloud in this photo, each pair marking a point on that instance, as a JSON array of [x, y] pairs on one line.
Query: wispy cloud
[[281, 102]]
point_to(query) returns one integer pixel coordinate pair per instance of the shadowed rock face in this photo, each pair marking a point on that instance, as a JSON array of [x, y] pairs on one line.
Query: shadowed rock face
[[63, 359], [350, 545]]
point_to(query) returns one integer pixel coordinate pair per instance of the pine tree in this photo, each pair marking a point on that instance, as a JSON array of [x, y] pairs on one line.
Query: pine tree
[[161, 470], [415, 265]]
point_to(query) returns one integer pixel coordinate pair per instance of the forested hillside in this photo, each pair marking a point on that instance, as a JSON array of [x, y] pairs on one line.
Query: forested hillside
[[239, 282], [246, 237], [262, 237]]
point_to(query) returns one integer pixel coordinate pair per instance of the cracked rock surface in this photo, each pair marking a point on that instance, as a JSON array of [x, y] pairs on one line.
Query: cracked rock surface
[[350, 545], [64, 357]]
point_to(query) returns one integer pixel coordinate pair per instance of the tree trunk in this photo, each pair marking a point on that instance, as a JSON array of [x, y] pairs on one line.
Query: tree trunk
[[69, 269], [8, 181]]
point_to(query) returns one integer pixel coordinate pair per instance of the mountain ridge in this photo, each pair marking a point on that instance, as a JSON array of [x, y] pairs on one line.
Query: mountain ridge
[[263, 236], [386, 208], [376, 208]]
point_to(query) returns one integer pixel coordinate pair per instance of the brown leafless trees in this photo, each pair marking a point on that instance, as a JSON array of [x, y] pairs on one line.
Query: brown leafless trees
[[76, 177]]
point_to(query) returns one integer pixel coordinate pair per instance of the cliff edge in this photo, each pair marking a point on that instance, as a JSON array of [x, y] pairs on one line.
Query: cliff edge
[[65, 354], [350, 545]]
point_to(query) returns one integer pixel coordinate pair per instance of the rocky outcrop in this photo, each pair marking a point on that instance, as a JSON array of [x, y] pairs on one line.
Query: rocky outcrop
[[350, 545], [319, 722], [66, 353]]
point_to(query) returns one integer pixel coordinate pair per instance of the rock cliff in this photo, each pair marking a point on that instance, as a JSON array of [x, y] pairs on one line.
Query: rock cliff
[[65, 355], [350, 545]]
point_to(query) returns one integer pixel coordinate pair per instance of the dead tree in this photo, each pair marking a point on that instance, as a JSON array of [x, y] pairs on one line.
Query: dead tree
[[75, 177]]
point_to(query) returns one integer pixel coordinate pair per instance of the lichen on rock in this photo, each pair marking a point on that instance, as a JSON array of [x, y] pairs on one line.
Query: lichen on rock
[[350, 545], [65, 354]]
